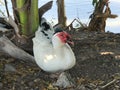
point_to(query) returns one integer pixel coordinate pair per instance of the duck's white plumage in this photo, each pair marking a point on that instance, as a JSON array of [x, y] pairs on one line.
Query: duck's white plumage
[[50, 53]]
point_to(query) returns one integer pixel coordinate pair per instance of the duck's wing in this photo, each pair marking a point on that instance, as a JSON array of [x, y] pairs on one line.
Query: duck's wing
[[44, 34]]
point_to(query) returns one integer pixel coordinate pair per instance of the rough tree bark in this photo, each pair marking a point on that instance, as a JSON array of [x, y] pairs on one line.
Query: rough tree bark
[[98, 18], [61, 13]]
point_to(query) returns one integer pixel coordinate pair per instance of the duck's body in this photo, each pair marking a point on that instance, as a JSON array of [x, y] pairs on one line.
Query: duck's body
[[52, 54]]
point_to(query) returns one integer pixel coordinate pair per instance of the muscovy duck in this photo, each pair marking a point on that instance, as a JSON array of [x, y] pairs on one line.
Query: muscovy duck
[[51, 49]]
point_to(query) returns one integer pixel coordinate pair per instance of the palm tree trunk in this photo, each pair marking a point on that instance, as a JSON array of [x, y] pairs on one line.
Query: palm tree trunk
[[33, 17], [23, 18], [28, 16]]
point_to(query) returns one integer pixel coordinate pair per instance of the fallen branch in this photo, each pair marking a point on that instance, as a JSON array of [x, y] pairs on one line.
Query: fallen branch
[[8, 47], [108, 84]]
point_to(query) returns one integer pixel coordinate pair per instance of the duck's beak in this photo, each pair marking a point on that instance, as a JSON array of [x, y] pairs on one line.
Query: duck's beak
[[69, 39], [70, 42]]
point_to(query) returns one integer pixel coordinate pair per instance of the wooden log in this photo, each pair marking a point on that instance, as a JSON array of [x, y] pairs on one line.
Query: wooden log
[[9, 48]]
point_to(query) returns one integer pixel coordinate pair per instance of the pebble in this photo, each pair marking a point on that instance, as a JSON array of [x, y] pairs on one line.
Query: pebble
[[9, 68]]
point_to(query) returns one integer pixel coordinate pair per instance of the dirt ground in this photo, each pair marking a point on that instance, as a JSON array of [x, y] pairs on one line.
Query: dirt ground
[[97, 67]]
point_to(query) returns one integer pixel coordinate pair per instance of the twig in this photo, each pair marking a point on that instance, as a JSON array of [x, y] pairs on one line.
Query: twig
[[14, 25], [73, 22], [116, 77], [108, 84], [6, 7]]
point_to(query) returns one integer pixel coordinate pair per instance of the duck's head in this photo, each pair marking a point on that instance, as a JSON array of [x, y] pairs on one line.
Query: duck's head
[[61, 38], [65, 37]]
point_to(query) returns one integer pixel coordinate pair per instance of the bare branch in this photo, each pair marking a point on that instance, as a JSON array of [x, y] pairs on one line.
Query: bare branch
[[6, 7], [45, 8], [70, 25], [104, 15], [13, 24]]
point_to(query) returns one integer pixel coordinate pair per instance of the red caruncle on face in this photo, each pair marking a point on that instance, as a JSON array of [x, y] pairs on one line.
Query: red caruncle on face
[[64, 36]]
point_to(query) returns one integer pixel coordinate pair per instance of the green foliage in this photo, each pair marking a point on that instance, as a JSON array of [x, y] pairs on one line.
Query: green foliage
[[95, 3]]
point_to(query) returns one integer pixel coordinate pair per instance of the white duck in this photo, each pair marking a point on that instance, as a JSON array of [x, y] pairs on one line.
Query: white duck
[[51, 49]]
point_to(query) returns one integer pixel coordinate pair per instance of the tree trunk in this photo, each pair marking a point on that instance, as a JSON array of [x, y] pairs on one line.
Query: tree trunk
[[61, 12], [100, 15], [33, 16], [26, 15], [23, 18]]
